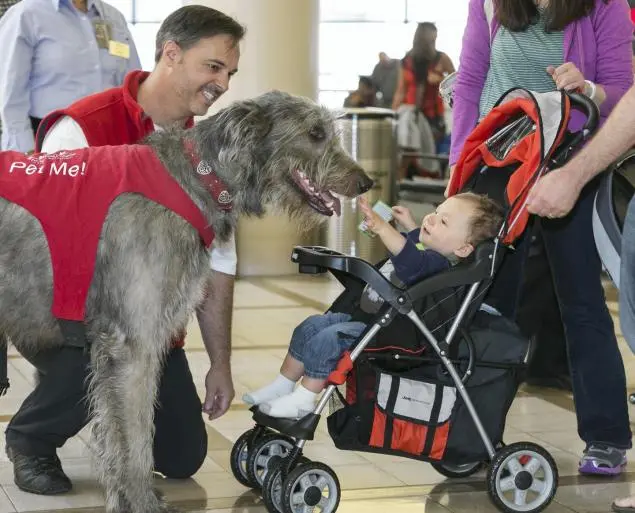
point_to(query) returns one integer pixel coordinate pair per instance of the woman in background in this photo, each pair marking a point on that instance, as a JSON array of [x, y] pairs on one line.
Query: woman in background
[[417, 101]]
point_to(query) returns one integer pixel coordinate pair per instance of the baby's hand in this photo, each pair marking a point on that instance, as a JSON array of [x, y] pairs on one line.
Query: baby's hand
[[404, 218], [373, 221]]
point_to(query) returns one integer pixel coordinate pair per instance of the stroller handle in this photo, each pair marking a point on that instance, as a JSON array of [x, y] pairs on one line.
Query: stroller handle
[[318, 259], [584, 104]]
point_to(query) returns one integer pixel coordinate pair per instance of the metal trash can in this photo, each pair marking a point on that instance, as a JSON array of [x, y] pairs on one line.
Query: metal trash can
[[368, 135]]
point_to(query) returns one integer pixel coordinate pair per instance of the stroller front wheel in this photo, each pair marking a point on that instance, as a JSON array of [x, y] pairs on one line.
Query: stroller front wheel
[[272, 485], [462, 470], [266, 451], [311, 485], [522, 477]]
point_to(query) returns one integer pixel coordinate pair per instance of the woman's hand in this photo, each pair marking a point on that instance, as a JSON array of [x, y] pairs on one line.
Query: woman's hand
[[435, 76], [567, 77], [404, 218]]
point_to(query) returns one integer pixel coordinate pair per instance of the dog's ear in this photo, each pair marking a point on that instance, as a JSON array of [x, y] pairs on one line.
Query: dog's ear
[[246, 122]]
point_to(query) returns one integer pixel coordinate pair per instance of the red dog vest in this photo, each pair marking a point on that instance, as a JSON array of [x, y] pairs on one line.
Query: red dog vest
[[70, 192]]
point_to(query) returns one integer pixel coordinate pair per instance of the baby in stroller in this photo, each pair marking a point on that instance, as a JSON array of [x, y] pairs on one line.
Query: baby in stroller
[[446, 236]]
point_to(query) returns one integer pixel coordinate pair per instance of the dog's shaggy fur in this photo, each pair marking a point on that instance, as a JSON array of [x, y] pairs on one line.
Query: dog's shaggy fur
[[275, 150]]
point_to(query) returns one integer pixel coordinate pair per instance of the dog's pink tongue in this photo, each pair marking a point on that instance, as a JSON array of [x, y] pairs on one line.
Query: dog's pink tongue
[[331, 201], [337, 207]]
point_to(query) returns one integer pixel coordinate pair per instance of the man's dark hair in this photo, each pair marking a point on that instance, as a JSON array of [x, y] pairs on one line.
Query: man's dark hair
[[188, 25]]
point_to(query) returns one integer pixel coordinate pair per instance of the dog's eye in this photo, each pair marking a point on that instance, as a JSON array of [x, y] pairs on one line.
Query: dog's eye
[[317, 133]]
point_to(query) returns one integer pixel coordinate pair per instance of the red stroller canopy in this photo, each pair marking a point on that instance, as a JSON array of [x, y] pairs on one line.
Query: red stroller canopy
[[524, 129]]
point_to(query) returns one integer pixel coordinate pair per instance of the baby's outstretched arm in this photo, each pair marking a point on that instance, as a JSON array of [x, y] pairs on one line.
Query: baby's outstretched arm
[[392, 239]]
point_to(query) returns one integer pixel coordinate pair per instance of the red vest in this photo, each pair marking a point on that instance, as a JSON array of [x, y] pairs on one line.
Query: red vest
[[70, 193], [112, 117], [431, 104]]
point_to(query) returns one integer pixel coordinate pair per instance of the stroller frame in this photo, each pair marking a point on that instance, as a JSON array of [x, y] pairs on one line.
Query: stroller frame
[[272, 450], [269, 456]]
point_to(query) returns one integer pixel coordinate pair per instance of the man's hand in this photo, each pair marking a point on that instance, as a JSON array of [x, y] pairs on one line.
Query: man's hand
[[555, 194], [214, 318], [219, 391]]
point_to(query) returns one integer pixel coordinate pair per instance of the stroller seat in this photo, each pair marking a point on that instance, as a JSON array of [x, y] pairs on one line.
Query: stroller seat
[[354, 273]]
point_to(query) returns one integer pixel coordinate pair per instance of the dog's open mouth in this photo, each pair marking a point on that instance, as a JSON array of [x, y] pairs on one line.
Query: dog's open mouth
[[322, 201]]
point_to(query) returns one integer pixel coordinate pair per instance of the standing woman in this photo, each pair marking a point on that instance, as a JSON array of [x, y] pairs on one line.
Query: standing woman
[[417, 100], [544, 45]]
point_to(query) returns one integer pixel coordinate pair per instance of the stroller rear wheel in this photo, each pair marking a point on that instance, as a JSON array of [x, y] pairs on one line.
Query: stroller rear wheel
[[451, 470], [311, 485], [522, 477], [266, 451]]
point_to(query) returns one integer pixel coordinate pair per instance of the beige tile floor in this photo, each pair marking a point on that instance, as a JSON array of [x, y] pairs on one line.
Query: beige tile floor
[[266, 311]]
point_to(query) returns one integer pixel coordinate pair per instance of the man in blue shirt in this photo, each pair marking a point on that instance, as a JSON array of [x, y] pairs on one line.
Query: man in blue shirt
[[4, 6], [54, 53]]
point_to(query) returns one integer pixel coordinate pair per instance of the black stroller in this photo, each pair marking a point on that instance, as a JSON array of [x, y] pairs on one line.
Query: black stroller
[[615, 192], [435, 372]]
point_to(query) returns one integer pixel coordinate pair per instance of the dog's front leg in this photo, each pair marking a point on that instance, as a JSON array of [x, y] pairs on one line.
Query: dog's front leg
[[110, 444], [123, 390], [142, 373]]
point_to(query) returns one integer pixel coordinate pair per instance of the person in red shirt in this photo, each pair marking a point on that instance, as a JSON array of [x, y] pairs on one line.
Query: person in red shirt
[[197, 53], [422, 69]]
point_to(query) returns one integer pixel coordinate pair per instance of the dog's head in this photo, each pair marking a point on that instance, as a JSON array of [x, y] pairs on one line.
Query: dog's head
[[284, 151]]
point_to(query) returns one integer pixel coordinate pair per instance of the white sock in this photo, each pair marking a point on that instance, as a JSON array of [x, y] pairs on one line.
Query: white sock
[[294, 405], [280, 386]]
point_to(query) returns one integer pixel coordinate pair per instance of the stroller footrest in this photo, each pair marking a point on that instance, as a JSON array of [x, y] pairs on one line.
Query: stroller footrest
[[301, 429]]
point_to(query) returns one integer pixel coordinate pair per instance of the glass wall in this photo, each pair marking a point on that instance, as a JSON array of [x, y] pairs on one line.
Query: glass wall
[[353, 32], [144, 18]]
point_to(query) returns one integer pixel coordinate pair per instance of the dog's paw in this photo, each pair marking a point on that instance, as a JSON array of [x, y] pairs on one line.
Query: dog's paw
[[168, 508], [164, 506]]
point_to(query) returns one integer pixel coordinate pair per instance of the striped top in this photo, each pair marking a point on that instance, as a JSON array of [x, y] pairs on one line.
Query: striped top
[[520, 59]]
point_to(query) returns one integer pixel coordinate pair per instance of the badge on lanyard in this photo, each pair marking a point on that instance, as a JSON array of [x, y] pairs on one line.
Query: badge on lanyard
[[103, 33], [118, 49]]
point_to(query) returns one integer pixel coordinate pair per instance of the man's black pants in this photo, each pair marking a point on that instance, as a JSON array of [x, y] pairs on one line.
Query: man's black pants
[[57, 410]]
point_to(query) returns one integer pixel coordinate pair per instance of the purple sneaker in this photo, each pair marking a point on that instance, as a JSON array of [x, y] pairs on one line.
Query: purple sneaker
[[603, 460]]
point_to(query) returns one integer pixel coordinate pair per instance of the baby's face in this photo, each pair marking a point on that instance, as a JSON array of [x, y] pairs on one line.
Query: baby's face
[[447, 230]]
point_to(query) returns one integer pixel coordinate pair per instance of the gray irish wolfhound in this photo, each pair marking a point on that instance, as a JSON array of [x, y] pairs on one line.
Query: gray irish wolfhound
[[276, 150]]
